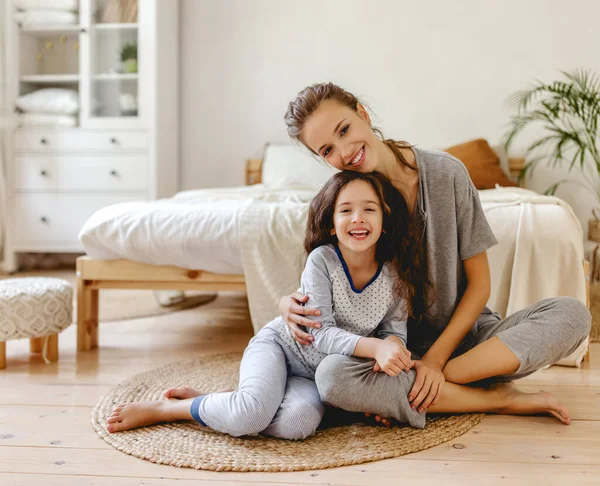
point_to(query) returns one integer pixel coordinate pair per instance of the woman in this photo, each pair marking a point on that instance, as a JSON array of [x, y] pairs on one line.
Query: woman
[[461, 340]]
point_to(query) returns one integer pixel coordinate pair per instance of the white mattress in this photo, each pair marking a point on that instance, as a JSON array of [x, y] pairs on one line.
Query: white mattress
[[199, 229], [194, 229]]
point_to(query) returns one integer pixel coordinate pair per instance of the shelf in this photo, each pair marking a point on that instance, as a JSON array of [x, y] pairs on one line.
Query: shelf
[[50, 78], [116, 77], [115, 26], [42, 31]]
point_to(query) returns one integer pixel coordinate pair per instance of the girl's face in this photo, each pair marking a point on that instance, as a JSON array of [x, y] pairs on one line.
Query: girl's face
[[342, 137], [358, 217]]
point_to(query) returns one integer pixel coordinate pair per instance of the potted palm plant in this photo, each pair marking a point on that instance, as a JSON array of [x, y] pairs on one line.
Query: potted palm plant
[[567, 112]]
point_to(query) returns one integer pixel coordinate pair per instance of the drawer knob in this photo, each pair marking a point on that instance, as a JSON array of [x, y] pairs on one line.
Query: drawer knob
[[43, 219], [43, 141], [114, 173], [43, 173], [113, 140]]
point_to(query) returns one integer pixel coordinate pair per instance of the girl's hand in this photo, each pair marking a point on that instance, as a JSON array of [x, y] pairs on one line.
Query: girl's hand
[[392, 357], [427, 389], [292, 311]]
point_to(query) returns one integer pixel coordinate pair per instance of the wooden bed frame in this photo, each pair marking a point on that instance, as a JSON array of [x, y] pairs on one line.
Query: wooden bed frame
[[93, 275]]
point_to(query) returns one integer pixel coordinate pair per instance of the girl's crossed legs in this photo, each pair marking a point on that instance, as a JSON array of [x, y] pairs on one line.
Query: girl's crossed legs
[[268, 401]]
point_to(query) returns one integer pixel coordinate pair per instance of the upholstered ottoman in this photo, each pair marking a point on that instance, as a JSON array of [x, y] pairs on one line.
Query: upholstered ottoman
[[36, 308]]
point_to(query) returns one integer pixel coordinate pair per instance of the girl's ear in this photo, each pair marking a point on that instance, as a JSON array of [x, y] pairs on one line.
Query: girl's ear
[[362, 112], [333, 232]]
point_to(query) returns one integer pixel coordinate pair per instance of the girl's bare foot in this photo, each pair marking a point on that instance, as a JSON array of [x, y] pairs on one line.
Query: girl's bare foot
[[138, 414], [378, 418], [520, 403], [184, 392]]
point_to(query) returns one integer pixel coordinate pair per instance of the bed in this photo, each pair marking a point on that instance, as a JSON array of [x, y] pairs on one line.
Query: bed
[[248, 239]]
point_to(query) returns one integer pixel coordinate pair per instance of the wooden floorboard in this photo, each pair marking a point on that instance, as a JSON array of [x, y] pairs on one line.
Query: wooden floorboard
[[46, 436]]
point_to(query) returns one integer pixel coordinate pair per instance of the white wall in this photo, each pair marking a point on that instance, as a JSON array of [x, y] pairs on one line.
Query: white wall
[[435, 72]]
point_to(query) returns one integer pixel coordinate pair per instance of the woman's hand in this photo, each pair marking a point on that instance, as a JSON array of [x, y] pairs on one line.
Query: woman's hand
[[427, 389], [292, 311], [392, 357]]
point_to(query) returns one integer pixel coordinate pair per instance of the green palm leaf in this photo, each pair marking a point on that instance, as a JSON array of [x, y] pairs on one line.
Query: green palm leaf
[[567, 112]]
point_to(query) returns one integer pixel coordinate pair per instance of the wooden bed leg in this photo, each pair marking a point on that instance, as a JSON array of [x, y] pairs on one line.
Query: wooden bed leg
[[586, 274], [2, 355], [87, 313]]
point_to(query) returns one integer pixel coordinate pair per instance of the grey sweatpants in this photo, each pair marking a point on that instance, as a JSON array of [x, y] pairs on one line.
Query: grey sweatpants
[[276, 395], [538, 335]]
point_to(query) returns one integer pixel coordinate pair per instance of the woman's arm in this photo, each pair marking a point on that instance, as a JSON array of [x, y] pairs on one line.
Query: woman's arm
[[292, 311], [430, 377], [477, 293]]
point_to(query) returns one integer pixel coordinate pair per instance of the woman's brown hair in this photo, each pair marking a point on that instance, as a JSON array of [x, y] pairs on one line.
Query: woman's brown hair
[[312, 97], [400, 243]]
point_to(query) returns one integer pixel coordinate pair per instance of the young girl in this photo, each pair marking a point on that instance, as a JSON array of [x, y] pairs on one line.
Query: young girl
[[461, 341], [366, 273]]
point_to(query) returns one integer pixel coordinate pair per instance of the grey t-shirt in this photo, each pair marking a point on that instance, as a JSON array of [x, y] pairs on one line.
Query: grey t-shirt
[[346, 312], [456, 229]]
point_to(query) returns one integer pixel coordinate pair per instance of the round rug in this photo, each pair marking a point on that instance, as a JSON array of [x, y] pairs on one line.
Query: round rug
[[187, 444]]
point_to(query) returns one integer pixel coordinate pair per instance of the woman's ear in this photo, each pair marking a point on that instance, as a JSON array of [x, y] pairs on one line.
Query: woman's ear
[[362, 112], [333, 232]]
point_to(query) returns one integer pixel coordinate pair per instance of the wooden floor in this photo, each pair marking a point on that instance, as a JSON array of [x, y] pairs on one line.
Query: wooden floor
[[46, 437]]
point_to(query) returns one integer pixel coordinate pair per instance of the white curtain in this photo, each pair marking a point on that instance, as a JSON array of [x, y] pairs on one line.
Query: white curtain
[[3, 125]]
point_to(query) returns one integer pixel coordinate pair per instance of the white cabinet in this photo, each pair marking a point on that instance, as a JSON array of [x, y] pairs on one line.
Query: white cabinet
[[121, 59]]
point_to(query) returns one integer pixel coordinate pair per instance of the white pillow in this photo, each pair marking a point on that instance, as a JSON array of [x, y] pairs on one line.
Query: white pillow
[[72, 5], [32, 18], [57, 101], [46, 120], [286, 165]]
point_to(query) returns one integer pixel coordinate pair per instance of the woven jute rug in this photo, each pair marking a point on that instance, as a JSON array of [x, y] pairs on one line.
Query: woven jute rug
[[187, 444]]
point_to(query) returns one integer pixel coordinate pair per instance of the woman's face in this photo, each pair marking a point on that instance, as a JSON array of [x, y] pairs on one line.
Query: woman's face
[[342, 137]]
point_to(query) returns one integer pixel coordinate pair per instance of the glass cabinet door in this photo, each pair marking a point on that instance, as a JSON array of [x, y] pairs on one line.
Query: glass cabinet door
[[113, 61]]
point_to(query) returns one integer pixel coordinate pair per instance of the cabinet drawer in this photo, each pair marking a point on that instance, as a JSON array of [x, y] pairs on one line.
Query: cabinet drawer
[[47, 219], [81, 173], [78, 140]]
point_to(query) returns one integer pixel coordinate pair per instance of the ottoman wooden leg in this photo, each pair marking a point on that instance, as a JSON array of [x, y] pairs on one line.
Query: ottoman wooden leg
[[2, 355], [36, 345], [87, 316], [52, 350]]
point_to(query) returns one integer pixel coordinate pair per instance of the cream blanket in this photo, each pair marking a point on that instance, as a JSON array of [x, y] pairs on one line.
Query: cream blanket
[[539, 255]]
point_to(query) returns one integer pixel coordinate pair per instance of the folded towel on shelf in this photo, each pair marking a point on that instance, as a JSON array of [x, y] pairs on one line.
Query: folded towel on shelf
[[68, 5], [54, 101], [31, 18], [45, 120]]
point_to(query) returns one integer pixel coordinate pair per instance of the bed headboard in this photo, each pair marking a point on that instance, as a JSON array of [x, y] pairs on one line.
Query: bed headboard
[[254, 169]]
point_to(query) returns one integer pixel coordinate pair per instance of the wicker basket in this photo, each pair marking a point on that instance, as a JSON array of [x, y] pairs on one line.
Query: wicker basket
[[594, 230]]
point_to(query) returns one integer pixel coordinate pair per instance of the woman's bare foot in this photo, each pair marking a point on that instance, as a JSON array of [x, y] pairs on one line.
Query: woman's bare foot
[[184, 392], [521, 403], [138, 414]]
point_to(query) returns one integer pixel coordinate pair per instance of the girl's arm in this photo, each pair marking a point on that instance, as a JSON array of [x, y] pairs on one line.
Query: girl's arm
[[477, 293], [316, 284], [330, 339]]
